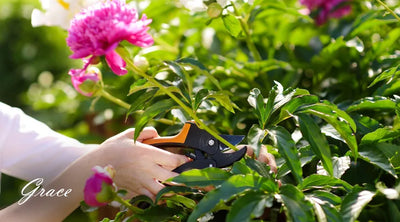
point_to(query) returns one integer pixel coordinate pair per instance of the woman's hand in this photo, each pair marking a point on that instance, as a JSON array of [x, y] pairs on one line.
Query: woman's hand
[[139, 167]]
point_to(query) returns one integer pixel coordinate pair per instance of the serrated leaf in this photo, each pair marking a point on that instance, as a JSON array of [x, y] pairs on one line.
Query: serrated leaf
[[151, 112], [297, 207], [311, 131], [232, 25], [286, 147], [201, 178], [353, 203]]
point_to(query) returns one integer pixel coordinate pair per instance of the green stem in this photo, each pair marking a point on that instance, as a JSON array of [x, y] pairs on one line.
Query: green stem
[[246, 30], [114, 99], [178, 101], [389, 9], [134, 209], [125, 105]]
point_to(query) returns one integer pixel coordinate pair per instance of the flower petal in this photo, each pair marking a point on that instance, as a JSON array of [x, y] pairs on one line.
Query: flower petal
[[116, 63]]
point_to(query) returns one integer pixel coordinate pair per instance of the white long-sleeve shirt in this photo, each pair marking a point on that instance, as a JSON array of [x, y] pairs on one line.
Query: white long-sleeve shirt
[[29, 149]]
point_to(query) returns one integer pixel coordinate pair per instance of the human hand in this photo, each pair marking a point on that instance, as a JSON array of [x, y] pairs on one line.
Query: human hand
[[140, 167], [263, 156]]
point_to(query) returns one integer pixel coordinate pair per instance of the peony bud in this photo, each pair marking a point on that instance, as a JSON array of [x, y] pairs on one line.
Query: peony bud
[[99, 189], [214, 10], [141, 62], [85, 81]]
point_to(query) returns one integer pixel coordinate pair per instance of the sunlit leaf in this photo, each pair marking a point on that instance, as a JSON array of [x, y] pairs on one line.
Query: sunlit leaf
[[376, 103], [354, 202], [232, 25], [203, 177], [255, 138], [372, 154]]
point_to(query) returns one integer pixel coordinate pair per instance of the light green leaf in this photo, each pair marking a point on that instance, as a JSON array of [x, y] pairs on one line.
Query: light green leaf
[[378, 103], [232, 25], [202, 178], [318, 181], [380, 135]]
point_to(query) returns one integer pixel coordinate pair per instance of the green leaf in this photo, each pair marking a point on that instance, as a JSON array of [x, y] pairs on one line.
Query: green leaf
[[181, 201], [235, 185], [255, 138], [223, 99], [151, 112], [380, 135], [318, 181], [141, 99], [295, 103], [261, 168], [296, 205], [326, 196], [232, 25], [256, 100], [365, 124], [141, 198], [354, 202], [251, 205], [286, 147], [175, 190], [324, 211], [339, 119], [86, 208], [158, 213], [374, 155], [200, 96], [378, 103], [201, 178], [311, 131]]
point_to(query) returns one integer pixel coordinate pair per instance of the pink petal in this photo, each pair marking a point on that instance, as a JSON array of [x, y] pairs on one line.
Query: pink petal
[[116, 63]]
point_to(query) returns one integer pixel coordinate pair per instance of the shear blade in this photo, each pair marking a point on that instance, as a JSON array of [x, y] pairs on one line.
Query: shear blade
[[227, 159], [233, 139]]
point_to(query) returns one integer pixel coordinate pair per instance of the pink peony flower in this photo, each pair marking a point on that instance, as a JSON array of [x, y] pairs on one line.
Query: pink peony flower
[[85, 80], [98, 30], [326, 9], [99, 190]]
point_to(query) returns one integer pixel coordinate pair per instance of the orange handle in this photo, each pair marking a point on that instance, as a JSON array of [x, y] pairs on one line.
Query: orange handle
[[180, 138]]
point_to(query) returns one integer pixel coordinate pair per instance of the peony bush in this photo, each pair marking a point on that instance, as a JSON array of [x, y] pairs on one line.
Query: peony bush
[[314, 83]]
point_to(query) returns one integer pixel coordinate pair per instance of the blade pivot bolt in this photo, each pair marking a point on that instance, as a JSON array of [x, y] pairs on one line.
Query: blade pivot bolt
[[211, 142]]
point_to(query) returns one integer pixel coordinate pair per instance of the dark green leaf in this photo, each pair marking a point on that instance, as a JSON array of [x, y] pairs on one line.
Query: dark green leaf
[[158, 213], [339, 119], [289, 108], [365, 124], [261, 168], [192, 61], [202, 178], [327, 196], [311, 131], [372, 154], [232, 25], [200, 96], [296, 205], [151, 112], [181, 200], [250, 205], [286, 147], [325, 211], [141, 99], [141, 198], [354, 202], [235, 185], [86, 208]]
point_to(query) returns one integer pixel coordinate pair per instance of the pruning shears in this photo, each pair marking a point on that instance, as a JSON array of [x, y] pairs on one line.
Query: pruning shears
[[208, 151]]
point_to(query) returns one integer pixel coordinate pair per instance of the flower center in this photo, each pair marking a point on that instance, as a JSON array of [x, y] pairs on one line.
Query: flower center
[[63, 4]]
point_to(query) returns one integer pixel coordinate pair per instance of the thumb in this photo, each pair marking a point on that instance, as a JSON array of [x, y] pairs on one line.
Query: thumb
[[147, 133]]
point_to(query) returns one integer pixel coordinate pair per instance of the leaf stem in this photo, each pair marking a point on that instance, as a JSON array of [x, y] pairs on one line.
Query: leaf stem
[[250, 44], [389, 9], [188, 110], [134, 209]]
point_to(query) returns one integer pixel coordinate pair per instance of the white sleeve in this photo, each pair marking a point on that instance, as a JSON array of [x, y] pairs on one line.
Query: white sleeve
[[29, 149]]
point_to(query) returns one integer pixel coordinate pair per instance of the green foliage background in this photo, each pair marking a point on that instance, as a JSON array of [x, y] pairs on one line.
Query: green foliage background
[[336, 62]]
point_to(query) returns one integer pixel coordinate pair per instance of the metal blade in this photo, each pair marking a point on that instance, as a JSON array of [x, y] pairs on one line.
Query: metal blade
[[227, 159]]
